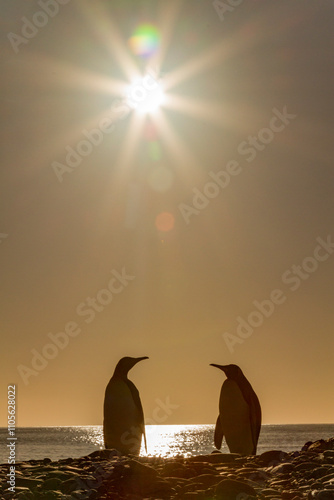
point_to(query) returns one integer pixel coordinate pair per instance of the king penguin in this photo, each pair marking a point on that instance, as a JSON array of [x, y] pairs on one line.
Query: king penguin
[[123, 423], [239, 418]]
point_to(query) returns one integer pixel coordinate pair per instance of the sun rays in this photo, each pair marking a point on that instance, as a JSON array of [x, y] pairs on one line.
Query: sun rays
[[154, 99], [149, 44]]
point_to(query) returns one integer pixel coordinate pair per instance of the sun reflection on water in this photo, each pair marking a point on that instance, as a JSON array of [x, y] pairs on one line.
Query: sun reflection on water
[[173, 440], [162, 440]]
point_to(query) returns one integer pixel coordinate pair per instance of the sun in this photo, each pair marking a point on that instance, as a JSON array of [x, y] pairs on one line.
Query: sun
[[145, 94]]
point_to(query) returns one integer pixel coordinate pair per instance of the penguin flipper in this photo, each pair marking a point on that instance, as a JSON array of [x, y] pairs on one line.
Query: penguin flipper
[[255, 420], [218, 437], [145, 438], [137, 401]]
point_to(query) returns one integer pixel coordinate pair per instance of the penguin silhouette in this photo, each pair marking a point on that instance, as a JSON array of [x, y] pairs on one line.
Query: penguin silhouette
[[123, 423], [239, 418]]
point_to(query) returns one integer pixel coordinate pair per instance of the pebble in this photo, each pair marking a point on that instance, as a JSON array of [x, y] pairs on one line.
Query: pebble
[[228, 489], [105, 475]]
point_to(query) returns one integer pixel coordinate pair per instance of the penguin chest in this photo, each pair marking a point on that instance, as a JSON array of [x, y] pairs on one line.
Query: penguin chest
[[235, 418], [123, 422], [119, 407]]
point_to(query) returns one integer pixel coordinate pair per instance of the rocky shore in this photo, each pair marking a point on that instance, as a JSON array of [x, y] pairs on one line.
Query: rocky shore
[[308, 473]]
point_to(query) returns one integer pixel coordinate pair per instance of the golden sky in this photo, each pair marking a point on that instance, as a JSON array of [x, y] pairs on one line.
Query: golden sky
[[202, 233]]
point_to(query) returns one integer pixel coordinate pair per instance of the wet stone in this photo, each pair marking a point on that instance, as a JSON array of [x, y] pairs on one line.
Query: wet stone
[[273, 457], [322, 495], [305, 466], [51, 484], [104, 454], [208, 480], [28, 482], [319, 472], [282, 469], [290, 495], [25, 496], [228, 489], [270, 492], [70, 485], [215, 458]]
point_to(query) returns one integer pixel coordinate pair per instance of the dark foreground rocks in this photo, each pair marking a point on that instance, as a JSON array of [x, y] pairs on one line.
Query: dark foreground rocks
[[105, 475]]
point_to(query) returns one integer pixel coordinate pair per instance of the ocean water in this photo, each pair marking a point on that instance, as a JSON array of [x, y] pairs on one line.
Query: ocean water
[[164, 440]]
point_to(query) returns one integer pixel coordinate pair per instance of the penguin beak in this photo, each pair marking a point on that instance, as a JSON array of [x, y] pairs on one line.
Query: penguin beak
[[221, 367], [136, 360], [141, 359]]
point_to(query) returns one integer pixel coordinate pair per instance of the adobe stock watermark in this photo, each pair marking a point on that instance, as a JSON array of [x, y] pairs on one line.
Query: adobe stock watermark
[[222, 8], [12, 439], [293, 278], [3, 236], [88, 308], [31, 27], [250, 147], [92, 138]]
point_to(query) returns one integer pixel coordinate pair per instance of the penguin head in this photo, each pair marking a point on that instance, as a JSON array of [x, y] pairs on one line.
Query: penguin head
[[232, 372], [125, 364]]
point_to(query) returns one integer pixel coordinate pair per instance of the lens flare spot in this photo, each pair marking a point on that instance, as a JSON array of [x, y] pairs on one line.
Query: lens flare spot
[[165, 221], [145, 40], [150, 131]]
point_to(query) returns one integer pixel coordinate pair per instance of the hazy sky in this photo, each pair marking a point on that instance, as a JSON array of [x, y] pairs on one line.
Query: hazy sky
[[239, 161]]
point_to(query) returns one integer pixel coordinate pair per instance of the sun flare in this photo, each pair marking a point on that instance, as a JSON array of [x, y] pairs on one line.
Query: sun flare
[[145, 95]]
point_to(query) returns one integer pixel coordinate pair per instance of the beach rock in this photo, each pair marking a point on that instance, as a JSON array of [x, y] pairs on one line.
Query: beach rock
[[321, 445], [282, 469], [81, 495], [273, 457], [200, 495], [139, 478], [18, 490], [304, 466], [270, 493], [51, 484], [61, 475], [25, 495], [306, 446], [207, 480], [108, 454], [319, 472], [329, 478], [291, 495], [215, 458], [228, 489], [70, 485], [321, 495], [50, 495], [177, 469], [67, 460]]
